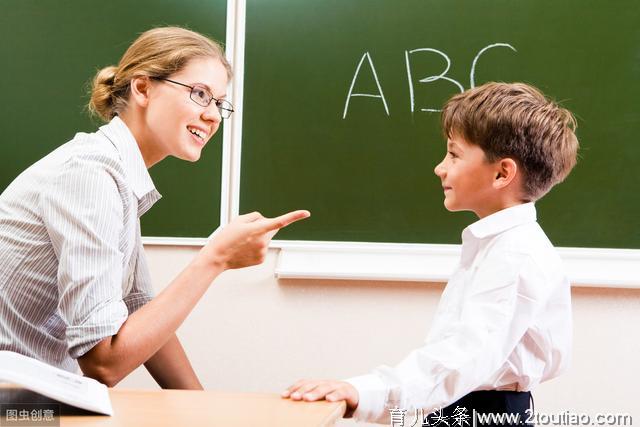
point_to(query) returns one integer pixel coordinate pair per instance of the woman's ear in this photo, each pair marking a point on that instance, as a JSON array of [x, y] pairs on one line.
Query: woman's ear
[[506, 172], [139, 88]]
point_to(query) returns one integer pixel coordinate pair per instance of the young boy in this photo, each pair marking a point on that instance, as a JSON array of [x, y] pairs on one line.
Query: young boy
[[503, 324]]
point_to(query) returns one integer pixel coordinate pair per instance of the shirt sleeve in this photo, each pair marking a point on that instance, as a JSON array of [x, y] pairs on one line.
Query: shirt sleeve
[[502, 300], [142, 290], [83, 212]]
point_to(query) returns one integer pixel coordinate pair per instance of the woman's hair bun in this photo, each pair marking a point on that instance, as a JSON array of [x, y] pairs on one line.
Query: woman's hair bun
[[102, 89]]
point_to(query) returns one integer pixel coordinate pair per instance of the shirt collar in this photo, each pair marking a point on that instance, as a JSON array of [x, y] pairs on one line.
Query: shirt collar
[[138, 176], [501, 221]]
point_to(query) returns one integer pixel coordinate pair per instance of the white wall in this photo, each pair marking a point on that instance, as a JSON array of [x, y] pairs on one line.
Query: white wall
[[252, 332]]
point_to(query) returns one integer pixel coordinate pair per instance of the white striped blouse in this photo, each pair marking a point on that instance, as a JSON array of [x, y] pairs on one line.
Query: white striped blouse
[[72, 266]]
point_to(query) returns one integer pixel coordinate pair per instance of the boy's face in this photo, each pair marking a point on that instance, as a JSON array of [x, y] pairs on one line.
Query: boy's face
[[467, 178]]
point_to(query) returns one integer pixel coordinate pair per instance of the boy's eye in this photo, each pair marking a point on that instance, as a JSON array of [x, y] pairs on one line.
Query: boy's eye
[[452, 154]]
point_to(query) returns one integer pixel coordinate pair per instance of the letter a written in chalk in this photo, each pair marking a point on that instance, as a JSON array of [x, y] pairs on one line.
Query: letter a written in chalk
[[369, 95]]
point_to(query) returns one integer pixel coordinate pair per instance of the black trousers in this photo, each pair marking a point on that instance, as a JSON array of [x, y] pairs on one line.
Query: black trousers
[[487, 408]]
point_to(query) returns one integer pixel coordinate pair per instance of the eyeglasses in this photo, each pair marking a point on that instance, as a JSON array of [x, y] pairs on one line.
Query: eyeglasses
[[202, 96]]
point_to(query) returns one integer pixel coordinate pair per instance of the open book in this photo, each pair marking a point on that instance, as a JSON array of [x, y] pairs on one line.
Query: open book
[[55, 383]]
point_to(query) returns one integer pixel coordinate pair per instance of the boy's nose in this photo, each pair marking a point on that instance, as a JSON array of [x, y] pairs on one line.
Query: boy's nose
[[439, 169]]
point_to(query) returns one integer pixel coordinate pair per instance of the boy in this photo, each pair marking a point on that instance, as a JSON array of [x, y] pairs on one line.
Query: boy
[[503, 324]]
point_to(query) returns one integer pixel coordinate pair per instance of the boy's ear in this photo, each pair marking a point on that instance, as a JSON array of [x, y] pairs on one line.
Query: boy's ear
[[506, 171], [139, 92]]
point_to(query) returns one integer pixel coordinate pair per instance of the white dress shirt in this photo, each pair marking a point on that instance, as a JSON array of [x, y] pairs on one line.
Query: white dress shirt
[[73, 267], [503, 322]]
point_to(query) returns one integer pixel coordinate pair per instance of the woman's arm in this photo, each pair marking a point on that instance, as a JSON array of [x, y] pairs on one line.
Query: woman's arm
[[171, 369], [242, 243]]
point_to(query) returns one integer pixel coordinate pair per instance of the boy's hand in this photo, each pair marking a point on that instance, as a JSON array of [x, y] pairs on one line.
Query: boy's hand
[[311, 390], [245, 240]]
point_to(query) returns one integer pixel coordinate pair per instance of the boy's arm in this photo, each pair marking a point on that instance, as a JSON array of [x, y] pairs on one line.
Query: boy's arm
[[171, 369], [493, 320]]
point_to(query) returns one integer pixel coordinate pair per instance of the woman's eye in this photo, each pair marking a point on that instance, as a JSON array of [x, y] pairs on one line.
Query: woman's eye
[[202, 94]]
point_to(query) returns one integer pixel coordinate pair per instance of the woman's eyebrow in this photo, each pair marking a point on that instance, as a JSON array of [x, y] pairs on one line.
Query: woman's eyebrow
[[209, 89]]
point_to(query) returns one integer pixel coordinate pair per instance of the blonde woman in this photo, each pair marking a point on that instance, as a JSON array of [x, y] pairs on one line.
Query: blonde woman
[[74, 283]]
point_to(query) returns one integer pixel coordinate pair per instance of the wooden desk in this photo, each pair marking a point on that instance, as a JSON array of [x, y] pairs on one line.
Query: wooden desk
[[177, 408]]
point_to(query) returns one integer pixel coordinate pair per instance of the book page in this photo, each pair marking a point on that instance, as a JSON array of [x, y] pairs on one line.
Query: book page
[[55, 383]]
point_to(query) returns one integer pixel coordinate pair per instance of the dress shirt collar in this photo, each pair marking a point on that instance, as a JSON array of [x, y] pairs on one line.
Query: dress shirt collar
[[501, 221], [141, 183]]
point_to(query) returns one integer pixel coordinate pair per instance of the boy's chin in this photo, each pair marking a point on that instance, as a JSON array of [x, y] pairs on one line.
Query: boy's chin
[[450, 206]]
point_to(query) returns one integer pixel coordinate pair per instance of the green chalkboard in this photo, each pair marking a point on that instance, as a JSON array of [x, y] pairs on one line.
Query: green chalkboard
[[49, 52], [367, 174]]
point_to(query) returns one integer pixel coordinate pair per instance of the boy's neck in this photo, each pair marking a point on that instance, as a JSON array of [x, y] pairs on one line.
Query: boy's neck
[[497, 206]]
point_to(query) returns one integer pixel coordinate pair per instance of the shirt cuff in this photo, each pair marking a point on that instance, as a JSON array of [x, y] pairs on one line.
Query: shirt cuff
[[372, 397], [98, 325]]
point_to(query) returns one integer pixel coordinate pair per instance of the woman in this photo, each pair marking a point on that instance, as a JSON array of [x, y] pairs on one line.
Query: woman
[[74, 283]]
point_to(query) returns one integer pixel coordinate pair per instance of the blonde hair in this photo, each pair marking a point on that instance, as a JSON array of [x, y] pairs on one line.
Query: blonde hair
[[158, 52], [517, 121]]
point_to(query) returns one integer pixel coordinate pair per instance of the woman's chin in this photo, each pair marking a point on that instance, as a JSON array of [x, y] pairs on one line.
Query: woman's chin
[[192, 155]]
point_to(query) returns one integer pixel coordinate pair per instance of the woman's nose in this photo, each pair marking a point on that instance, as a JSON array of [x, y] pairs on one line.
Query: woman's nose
[[212, 113]]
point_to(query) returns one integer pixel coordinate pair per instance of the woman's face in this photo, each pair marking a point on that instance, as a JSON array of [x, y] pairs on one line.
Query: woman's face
[[176, 125]]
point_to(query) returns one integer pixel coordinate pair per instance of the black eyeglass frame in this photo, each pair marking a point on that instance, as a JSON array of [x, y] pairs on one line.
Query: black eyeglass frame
[[225, 113]]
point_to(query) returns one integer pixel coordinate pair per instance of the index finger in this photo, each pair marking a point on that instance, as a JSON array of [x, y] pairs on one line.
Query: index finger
[[274, 224]]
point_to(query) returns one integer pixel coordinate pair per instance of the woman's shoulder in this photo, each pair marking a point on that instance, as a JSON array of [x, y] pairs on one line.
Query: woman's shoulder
[[86, 157], [91, 147], [82, 167], [85, 152]]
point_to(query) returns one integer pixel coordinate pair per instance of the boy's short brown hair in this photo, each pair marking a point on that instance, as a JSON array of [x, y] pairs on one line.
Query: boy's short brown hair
[[515, 120]]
